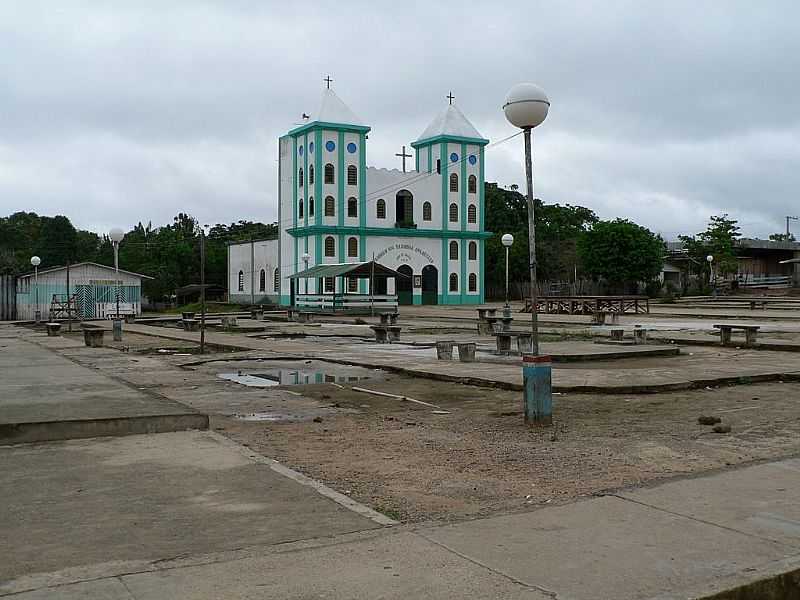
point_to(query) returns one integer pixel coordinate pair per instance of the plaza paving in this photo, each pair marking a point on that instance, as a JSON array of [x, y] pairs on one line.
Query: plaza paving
[[193, 514]]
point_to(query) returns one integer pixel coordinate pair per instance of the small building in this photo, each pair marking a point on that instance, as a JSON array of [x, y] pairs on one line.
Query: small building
[[89, 286], [253, 273], [191, 293]]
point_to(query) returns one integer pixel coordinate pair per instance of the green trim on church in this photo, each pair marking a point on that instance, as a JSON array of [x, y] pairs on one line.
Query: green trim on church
[[449, 138], [316, 230], [320, 125]]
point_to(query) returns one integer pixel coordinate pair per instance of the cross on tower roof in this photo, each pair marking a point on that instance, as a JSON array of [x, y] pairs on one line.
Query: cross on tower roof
[[328, 80], [451, 97]]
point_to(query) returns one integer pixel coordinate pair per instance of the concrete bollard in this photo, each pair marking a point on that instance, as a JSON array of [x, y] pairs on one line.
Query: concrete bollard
[[381, 333], [538, 391], [466, 352], [639, 334], [53, 329], [503, 343], [117, 328], [444, 350], [93, 338]]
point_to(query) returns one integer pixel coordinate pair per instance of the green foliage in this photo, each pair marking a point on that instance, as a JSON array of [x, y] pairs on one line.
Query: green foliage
[[557, 229], [621, 252], [782, 237], [719, 241], [170, 254]]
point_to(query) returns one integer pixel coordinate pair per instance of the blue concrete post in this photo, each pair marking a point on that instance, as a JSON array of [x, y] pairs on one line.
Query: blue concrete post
[[538, 393]]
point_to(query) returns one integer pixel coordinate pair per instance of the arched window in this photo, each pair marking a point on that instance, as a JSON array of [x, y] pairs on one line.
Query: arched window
[[352, 207], [311, 207], [330, 246], [453, 182], [352, 246], [300, 209], [473, 282], [352, 285], [352, 175], [330, 207], [276, 281], [300, 178], [454, 213], [472, 184], [472, 214], [310, 174], [380, 209], [329, 178], [472, 251], [262, 281], [426, 211], [454, 250], [453, 282], [241, 281]]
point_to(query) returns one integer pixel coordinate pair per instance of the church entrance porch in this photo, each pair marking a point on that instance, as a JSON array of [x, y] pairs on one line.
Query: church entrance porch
[[404, 286], [430, 285]]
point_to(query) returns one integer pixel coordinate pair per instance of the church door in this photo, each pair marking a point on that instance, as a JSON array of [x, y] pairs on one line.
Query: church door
[[404, 285], [430, 285]]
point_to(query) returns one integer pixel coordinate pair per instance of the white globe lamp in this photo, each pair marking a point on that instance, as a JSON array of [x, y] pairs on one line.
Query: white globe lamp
[[526, 105], [507, 240], [36, 261]]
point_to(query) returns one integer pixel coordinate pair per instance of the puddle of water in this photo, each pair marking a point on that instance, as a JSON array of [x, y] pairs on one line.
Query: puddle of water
[[264, 416], [274, 377]]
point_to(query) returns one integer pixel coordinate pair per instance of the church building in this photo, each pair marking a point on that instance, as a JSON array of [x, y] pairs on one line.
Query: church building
[[427, 224]]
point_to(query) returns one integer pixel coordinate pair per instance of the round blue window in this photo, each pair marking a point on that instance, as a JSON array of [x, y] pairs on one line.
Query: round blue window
[[454, 157], [351, 148], [330, 146], [472, 159], [300, 150], [311, 147]]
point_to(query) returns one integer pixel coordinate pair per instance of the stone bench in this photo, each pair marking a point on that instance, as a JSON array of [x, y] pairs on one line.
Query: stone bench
[[257, 314], [466, 352], [487, 326], [444, 350], [617, 334], [53, 329], [388, 318], [305, 317], [229, 322], [187, 315], [483, 313], [93, 336], [190, 324], [386, 333], [726, 329], [505, 340]]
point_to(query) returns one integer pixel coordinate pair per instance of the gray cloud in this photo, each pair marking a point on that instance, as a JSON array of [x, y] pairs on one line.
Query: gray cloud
[[664, 113]]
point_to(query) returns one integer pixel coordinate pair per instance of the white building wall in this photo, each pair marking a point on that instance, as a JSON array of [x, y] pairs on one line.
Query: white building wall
[[249, 259]]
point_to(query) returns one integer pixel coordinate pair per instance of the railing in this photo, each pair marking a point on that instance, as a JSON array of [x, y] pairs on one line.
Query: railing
[[336, 302], [587, 305]]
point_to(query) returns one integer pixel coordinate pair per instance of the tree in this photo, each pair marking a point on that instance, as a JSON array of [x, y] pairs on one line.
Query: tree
[[781, 237], [719, 241], [621, 252]]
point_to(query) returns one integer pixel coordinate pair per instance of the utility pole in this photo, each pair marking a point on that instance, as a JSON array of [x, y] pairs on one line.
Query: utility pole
[[202, 290], [787, 225]]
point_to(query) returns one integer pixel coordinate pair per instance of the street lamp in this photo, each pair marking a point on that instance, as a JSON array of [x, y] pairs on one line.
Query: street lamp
[[306, 257], [712, 281], [526, 107], [507, 240], [116, 235], [36, 261]]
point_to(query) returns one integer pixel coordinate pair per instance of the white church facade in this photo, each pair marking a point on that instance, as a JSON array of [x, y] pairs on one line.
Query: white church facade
[[427, 224]]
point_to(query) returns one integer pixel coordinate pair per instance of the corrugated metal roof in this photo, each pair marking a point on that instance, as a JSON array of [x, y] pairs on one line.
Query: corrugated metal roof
[[80, 264], [360, 270]]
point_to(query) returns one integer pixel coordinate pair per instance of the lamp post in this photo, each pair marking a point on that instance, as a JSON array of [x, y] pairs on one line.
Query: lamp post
[[507, 240], [36, 261], [306, 257], [712, 280], [526, 107], [116, 235]]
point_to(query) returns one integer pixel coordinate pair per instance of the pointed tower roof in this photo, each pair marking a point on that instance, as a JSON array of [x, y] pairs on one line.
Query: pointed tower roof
[[332, 114], [450, 123], [333, 110]]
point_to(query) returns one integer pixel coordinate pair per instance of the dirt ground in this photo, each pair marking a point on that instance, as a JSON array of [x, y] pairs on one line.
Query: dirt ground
[[480, 458]]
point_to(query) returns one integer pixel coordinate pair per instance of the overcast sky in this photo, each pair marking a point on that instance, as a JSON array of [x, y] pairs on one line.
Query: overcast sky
[[662, 112]]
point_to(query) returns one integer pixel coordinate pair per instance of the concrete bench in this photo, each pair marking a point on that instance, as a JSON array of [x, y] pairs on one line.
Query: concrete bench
[[726, 329], [758, 303], [505, 339], [444, 350], [386, 333], [93, 336], [617, 334], [483, 313], [187, 315], [229, 322], [466, 352], [639, 335], [506, 323], [305, 317], [256, 314], [487, 326], [190, 324], [388, 318], [53, 329]]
